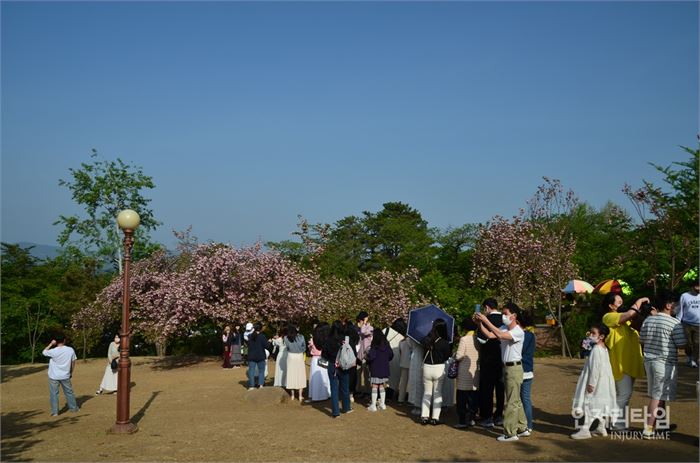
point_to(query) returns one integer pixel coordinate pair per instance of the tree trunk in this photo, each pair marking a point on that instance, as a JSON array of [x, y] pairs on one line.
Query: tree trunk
[[160, 348]]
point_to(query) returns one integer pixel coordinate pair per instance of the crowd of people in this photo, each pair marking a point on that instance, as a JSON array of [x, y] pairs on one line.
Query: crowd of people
[[487, 372]]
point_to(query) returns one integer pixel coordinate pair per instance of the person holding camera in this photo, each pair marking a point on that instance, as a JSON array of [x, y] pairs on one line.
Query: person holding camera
[[61, 367], [511, 338], [661, 336], [625, 351]]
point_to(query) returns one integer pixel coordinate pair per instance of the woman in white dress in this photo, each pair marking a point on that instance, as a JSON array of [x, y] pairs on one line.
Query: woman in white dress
[[296, 369], [280, 359], [319, 383], [109, 379], [415, 377]]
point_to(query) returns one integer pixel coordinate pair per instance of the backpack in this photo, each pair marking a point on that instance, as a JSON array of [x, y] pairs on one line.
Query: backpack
[[346, 357]]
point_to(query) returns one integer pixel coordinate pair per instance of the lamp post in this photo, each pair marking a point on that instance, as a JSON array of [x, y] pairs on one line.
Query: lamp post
[[128, 221]]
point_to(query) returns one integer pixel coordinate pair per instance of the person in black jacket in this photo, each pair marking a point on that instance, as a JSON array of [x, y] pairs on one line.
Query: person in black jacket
[[338, 377], [437, 351], [490, 370], [257, 343], [352, 330]]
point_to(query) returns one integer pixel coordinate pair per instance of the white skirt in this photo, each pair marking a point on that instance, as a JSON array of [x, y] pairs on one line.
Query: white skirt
[[281, 368], [296, 371], [109, 379], [319, 384]]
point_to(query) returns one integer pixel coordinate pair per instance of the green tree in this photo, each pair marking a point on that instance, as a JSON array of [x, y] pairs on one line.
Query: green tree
[[668, 233], [103, 188]]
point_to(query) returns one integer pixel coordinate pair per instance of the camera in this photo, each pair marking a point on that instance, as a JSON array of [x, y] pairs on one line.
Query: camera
[[645, 310]]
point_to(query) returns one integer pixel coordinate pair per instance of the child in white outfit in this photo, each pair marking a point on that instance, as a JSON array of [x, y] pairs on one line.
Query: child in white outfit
[[595, 391]]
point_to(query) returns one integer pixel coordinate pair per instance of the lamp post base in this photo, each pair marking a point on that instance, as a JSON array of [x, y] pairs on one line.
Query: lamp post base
[[123, 428]]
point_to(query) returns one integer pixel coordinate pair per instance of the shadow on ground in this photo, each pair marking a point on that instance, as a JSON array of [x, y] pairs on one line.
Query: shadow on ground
[[9, 373], [20, 431], [172, 363]]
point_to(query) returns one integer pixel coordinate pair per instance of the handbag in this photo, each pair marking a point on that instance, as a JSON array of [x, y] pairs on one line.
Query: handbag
[[114, 365], [452, 368]]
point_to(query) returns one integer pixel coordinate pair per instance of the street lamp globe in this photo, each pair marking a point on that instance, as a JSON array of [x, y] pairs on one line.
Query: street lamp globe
[[128, 219]]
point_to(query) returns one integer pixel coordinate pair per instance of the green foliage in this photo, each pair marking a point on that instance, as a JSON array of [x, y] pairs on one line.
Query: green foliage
[[39, 297], [103, 188]]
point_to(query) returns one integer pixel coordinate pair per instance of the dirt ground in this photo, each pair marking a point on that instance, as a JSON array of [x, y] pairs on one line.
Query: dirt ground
[[190, 409]]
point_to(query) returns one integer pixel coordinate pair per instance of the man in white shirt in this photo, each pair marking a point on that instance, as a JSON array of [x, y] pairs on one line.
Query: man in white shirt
[[689, 315], [511, 336], [61, 367]]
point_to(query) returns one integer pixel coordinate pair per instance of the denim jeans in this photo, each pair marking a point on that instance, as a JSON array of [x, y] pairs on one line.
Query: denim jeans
[[252, 366], [67, 391], [340, 381], [526, 398]]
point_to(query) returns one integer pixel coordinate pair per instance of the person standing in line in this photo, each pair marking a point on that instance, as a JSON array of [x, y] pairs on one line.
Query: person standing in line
[[490, 370], [415, 377], [378, 357], [296, 369], [61, 367], [281, 358], [226, 341], [438, 350], [365, 331], [689, 315], [594, 398], [625, 351], [525, 322], [319, 384], [338, 377], [467, 375], [511, 336], [257, 358], [394, 335], [661, 337], [353, 333], [109, 379], [236, 342], [404, 365]]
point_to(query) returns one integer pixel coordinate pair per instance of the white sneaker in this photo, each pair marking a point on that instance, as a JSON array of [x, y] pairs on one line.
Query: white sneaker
[[372, 408], [352, 399], [600, 431], [693, 364], [581, 434], [505, 438], [251, 388], [525, 433], [382, 406]]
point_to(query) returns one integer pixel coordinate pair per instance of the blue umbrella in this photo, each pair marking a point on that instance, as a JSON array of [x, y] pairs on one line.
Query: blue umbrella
[[420, 322]]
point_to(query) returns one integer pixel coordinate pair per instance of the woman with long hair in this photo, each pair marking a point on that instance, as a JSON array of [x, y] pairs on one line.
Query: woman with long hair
[[296, 369], [281, 358], [437, 351], [109, 379], [319, 384], [226, 341]]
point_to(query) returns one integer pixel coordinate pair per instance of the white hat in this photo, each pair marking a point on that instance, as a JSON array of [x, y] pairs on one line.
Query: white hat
[[249, 326]]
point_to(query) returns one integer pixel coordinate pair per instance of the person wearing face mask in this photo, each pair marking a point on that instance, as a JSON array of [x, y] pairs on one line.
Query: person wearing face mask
[[594, 398], [511, 336], [625, 351], [661, 336]]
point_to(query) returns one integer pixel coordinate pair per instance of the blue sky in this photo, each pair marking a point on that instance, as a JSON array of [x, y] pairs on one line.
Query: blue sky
[[247, 114]]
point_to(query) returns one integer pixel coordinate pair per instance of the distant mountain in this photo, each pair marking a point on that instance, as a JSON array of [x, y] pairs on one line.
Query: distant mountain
[[41, 251]]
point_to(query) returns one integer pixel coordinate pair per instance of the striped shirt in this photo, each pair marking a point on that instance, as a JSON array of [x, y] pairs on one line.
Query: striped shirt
[[662, 336]]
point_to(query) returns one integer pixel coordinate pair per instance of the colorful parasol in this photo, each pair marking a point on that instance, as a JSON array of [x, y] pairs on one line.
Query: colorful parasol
[[577, 287]]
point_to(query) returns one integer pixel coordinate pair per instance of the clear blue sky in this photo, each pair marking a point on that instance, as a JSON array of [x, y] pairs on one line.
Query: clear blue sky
[[247, 114]]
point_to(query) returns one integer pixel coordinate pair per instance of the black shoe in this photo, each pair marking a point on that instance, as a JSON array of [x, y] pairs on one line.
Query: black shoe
[[424, 421], [434, 422]]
